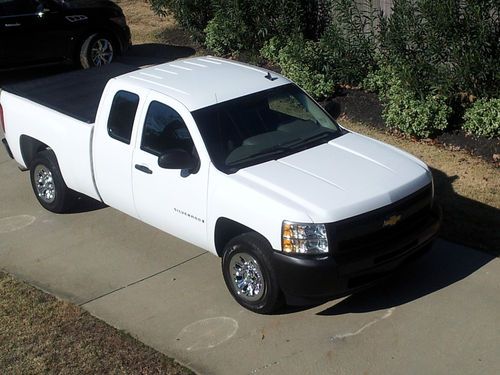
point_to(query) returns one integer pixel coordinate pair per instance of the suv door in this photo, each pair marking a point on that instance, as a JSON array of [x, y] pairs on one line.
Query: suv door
[[30, 33], [174, 201]]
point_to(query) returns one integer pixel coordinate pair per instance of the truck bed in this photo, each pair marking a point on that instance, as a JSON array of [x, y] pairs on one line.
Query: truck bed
[[76, 94]]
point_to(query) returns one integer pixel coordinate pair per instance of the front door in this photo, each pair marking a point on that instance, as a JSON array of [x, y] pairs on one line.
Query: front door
[[30, 33], [171, 200]]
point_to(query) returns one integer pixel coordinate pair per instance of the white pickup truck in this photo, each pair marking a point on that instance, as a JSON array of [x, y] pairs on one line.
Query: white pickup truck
[[231, 158]]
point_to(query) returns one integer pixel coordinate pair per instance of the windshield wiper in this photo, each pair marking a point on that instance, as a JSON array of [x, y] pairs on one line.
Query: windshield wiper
[[319, 136], [279, 148], [285, 146]]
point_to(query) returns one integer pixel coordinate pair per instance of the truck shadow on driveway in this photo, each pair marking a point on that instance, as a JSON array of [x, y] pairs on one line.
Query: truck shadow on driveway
[[444, 265], [85, 204], [465, 221]]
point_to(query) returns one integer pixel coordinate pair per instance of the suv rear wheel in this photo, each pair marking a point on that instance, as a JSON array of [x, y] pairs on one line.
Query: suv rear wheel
[[97, 50]]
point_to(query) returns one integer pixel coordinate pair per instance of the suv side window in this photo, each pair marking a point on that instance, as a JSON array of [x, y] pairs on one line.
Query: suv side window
[[122, 115], [9, 8], [164, 129]]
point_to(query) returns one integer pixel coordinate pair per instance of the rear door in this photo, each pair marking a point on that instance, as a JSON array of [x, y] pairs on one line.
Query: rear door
[[174, 201], [113, 147]]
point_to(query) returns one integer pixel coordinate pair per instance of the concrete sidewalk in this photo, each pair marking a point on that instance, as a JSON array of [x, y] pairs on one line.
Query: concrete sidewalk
[[441, 315]]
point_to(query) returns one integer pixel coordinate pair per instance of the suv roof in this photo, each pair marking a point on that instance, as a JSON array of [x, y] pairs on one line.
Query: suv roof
[[200, 82]]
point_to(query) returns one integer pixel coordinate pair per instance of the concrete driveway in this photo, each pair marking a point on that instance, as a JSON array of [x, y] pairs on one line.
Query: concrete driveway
[[441, 315]]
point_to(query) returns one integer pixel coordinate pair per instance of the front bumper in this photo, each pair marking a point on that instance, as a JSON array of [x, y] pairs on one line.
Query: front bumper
[[9, 152], [310, 279]]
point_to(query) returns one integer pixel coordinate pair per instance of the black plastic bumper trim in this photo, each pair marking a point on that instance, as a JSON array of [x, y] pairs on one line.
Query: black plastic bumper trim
[[306, 280]]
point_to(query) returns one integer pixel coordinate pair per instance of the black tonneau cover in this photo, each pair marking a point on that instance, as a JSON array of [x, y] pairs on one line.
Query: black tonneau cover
[[76, 94]]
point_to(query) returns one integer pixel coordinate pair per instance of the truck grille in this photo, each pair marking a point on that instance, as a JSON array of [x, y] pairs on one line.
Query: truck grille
[[372, 235]]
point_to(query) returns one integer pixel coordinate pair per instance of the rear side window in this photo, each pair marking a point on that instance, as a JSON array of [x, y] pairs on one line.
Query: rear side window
[[9, 8], [122, 115]]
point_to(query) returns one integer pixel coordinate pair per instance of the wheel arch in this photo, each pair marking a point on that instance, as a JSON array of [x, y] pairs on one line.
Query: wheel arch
[[30, 147], [226, 229]]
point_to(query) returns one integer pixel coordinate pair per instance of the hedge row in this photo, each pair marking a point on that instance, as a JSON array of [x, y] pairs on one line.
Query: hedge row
[[430, 61]]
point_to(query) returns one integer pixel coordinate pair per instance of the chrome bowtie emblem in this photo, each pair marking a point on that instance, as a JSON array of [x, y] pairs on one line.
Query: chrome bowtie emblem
[[393, 220]]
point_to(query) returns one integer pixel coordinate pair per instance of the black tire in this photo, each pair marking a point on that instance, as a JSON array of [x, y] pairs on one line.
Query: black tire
[[48, 184], [97, 49], [250, 252]]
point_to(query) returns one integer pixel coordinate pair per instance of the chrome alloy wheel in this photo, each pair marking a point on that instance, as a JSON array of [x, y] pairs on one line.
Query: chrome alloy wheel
[[101, 52], [45, 187], [246, 277]]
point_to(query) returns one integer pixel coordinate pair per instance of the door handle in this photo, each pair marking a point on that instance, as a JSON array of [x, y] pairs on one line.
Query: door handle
[[12, 24], [143, 168]]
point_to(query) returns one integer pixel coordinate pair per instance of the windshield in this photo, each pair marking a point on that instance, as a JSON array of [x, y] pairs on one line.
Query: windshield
[[264, 126]]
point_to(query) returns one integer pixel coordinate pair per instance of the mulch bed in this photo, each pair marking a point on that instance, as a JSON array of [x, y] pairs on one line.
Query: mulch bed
[[366, 108]]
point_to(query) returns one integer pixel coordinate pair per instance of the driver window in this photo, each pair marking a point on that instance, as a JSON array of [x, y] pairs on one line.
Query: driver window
[[164, 129]]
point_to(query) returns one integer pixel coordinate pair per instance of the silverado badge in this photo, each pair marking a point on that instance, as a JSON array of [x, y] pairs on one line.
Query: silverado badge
[[393, 220]]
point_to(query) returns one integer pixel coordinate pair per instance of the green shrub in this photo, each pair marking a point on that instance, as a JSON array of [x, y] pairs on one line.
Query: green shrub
[[414, 116], [245, 25], [304, 62], [350, 40], [224, 34], [483, 118], [449, 48], [343, 55], [379, 80]]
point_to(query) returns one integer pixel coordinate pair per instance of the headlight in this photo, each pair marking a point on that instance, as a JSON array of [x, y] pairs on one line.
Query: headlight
[[297, 238]]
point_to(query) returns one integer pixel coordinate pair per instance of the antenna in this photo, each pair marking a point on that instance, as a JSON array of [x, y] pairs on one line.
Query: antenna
[[270, 77]]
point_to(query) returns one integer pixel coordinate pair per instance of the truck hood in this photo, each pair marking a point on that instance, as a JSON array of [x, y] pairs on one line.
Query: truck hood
[[345, 177]]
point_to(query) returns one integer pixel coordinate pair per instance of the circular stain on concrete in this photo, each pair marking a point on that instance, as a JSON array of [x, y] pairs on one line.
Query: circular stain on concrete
[[14, 223], [207, 333]]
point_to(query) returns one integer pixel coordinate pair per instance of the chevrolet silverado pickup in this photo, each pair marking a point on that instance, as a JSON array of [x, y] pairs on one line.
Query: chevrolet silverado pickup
[[234, 159]]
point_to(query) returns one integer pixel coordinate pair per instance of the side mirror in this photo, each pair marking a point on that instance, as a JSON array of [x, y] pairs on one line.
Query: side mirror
[[177, 159]]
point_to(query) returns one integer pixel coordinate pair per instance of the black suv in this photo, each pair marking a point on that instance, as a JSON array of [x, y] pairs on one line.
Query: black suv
[[35, 32]]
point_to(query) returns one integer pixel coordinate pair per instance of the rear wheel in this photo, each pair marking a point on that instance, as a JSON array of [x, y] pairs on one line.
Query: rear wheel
[[48, 184], [249, 276], [97, 50]]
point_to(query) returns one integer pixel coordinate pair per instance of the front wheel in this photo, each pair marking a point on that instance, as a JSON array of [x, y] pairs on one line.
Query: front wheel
[[48, 184], [248, 274], [97, 50]]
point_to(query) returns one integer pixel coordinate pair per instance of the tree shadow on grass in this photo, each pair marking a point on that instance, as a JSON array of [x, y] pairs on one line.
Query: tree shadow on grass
[[465, 220]]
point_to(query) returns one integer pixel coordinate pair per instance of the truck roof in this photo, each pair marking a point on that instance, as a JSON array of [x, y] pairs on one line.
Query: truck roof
[[200, 82]]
